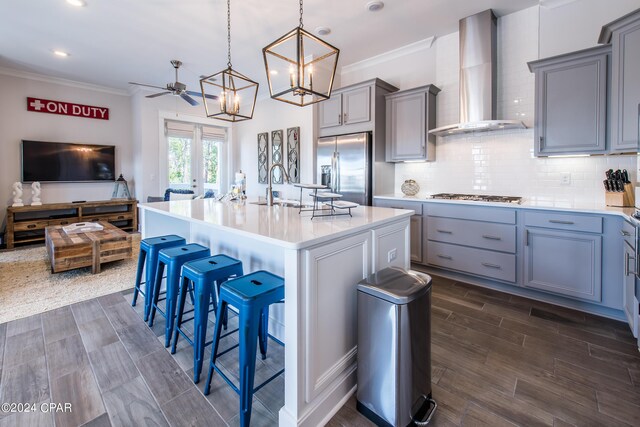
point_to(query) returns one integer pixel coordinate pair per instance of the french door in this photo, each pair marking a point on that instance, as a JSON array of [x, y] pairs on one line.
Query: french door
[[193, 156]]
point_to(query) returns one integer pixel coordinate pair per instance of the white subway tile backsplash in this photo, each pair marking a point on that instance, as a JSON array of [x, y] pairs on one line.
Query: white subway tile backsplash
[[502, 163]]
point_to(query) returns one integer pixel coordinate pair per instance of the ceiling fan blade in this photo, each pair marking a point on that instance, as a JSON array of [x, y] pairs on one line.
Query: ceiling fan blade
[[192, 93], [155, 95], [189, 99], [142, 84]]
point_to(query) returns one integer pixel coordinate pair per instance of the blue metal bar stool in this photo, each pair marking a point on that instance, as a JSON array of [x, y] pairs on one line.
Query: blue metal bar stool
[[203, 273], [173, 258], [149, 249], [251, 295]]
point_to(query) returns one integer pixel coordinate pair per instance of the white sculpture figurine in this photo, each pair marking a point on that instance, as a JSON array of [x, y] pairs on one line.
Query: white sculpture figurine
[[17, 194], [35, 194]]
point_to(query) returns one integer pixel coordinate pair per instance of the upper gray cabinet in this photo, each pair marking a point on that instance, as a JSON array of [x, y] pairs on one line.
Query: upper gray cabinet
[[346, 107], [330, 112], [571, 102], [410, 115], [624, 36], [350, 109]]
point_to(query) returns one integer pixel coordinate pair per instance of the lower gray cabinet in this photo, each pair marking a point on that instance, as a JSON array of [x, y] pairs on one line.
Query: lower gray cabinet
[[630, 303], [415, 223], [416, 238], [563, 262], [477, 262]]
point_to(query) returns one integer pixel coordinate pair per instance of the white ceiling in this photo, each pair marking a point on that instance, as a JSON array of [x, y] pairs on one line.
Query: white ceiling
[[112, 42]]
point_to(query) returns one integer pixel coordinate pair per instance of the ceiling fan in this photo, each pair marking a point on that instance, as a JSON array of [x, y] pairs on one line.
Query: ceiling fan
[[176, 88]]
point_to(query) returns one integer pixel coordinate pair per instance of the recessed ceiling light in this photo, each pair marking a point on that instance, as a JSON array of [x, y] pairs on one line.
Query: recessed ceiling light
[[60, 53], [274, 72], [77, 3], [323, 31], [374, 6]]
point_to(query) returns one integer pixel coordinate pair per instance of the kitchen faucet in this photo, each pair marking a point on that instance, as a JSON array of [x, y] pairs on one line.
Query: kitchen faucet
[[269, 189]]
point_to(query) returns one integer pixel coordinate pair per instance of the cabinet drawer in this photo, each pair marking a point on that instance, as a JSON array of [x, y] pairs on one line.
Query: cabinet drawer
[[476, 213], [628, 232], [473, 261], [496, 237], [30, 225], [116, 216], [63, 221], [571, 222], [399, 204]]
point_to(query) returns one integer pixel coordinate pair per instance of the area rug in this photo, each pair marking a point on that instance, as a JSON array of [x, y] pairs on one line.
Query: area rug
[[27, 286]]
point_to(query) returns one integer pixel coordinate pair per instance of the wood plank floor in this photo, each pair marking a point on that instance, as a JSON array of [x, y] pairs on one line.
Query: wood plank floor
[[497, 360], [100, 357], [502, 360]]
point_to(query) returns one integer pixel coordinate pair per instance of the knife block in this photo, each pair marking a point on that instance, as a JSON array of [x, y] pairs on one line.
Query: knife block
[[624, 199]]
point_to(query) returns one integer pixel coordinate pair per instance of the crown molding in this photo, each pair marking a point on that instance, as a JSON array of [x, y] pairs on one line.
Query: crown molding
[[60, 81], [552, 4], [389, 55]]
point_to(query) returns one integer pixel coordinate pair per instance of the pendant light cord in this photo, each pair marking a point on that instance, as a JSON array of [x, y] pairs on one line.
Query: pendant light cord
[[229, 31], [301, 25]]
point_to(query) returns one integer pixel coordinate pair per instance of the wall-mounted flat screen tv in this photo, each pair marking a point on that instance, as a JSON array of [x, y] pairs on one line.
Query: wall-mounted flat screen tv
[[64, 162]]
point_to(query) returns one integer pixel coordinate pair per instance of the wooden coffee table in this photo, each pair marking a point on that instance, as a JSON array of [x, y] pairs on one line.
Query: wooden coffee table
[[76, 250]]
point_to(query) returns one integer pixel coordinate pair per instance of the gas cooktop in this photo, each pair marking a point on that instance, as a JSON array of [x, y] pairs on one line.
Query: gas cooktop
[[478, 198]]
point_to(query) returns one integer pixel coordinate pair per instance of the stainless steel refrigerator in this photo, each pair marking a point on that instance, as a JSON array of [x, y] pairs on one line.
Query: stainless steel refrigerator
[[344, 165]]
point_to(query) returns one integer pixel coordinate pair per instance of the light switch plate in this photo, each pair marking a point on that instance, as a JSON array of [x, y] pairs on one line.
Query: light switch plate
[[565, 178]]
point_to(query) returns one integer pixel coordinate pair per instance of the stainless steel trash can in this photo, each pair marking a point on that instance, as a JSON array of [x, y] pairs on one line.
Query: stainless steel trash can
[[394, 348]]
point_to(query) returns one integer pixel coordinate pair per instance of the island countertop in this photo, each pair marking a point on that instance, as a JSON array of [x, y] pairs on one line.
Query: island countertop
[[278, 225]]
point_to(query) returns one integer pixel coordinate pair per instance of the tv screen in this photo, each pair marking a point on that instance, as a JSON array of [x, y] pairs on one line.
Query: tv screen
[[64, 162]]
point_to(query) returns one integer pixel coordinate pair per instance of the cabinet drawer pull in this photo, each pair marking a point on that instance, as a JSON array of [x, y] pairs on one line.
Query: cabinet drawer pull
[[627, 258], [121, 217], [445, 231], [64, 222], [444, 256], [625, 233], [491, 237], [558, 221], [488, 265], [31, 226]]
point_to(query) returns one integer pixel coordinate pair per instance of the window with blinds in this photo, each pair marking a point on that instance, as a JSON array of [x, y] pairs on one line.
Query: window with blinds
[[193, 156]]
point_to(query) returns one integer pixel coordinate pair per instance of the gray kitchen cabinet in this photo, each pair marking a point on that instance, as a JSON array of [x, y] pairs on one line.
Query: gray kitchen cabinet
[[624, 36], [410, 115], [416, 238], [630, 303], [476, 240], [356, 105], [563, 262], [563, 257], [346, 107], [571, 102], [330, 114], [415, 232], [630, 265]]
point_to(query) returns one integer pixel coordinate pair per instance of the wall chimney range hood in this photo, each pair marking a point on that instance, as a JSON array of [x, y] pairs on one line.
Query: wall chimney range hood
[[478, 87]]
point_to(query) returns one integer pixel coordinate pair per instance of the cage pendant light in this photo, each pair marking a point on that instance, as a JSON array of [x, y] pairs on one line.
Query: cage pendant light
[[229, 95], [300, 67]]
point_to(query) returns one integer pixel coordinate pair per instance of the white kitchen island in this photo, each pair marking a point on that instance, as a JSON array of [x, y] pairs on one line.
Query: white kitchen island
[[321, 261]]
